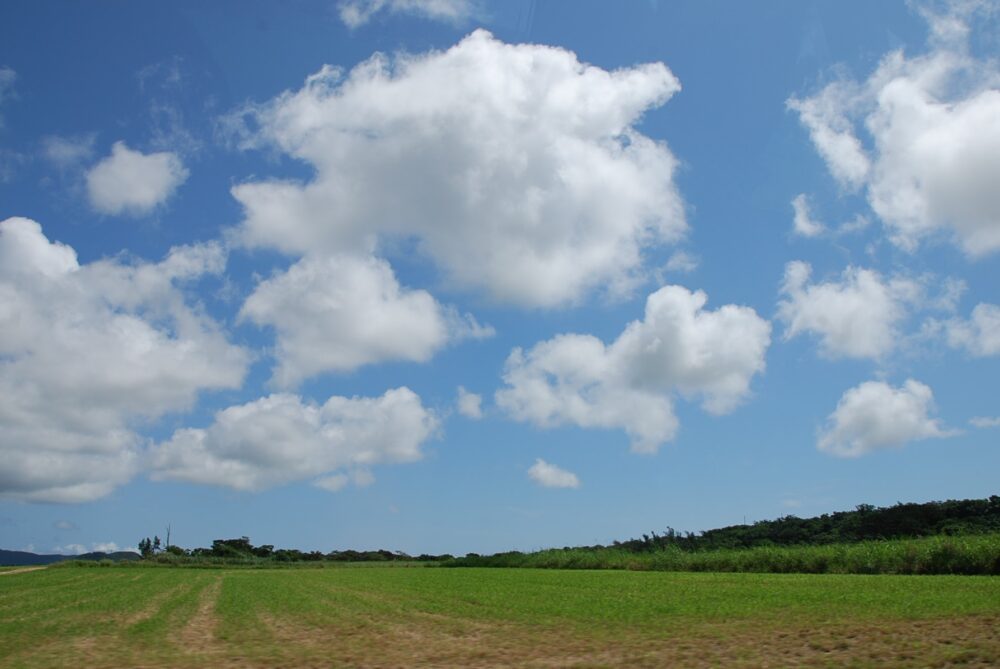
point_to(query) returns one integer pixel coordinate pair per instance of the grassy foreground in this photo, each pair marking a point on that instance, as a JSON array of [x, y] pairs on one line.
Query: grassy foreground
[[387, 617]]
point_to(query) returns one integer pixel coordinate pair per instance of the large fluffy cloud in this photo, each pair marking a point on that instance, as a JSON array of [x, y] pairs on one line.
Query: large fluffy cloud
[[856, 317], [281, 438], [571, 380], [355, 13], [88, 350], [516, 168], [679, 347], [922, 136], [130, 182], [874, 415], [340, 312]]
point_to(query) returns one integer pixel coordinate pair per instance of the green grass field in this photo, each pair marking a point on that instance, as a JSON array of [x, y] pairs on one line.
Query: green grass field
[[399, 617]]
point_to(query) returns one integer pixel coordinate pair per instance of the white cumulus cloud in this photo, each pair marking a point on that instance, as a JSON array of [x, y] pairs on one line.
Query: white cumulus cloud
[[469, 404], [678, 348], [356, 13], [855, 317], [88, 350], [826, 115], [282, 438], [921, 136], [980, 334], [130, 182], [517, 169], [339, 312], [984, 422], [874, 416], [550, 476]]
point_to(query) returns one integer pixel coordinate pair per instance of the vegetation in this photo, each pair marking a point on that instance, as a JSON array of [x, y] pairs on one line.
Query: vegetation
[[952, 537], [865, 523], [974, 554], [240, 552], [340, 617], [599, 605]]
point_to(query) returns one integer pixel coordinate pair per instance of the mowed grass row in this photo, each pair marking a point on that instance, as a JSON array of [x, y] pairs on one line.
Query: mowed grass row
[[489, 617], [971, 554]]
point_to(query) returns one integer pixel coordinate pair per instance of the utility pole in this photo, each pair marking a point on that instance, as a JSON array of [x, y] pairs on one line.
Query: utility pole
[[168, 537]]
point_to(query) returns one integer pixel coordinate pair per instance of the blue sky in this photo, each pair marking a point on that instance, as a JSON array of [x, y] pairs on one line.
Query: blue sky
[[450, 276]]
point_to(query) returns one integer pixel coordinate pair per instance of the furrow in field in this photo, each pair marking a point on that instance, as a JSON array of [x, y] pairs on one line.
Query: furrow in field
[[19, 570], [156, 603], [198, 636]]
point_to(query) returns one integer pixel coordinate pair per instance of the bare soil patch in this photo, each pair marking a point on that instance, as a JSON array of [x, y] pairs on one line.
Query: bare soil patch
[[19, 570], [433, 640], [197, 637]]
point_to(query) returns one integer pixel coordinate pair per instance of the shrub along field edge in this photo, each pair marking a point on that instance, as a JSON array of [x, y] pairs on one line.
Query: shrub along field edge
[[964, 555], [972, 555]]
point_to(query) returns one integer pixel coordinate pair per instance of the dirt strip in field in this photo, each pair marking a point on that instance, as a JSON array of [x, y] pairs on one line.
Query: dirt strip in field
[[154, 605], [198, 637], [20, 571]]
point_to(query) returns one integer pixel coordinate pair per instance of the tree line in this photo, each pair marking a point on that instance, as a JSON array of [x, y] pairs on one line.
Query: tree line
[[864, 523], [242, 550]]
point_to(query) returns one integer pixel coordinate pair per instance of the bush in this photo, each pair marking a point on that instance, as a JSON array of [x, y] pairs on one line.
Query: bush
[[978, 554]]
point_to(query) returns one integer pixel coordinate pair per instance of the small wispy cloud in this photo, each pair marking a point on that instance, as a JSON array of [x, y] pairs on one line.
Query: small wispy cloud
[[95, 547], [469, 404], [7, 79], [68, 152], [356, 13], [803, 223], [681, 262], [551, 476]]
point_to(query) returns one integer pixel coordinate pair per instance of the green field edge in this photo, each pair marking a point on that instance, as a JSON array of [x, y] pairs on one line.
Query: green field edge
[[962, 555], [965, 555]]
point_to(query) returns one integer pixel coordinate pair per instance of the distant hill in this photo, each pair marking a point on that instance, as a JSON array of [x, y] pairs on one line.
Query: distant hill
[[23, 558]]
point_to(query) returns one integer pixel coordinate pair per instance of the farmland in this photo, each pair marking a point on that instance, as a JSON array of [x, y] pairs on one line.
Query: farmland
[[398, 616]]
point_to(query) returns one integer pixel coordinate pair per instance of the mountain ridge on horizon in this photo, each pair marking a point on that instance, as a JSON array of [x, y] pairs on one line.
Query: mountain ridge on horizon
[[9, 558]]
